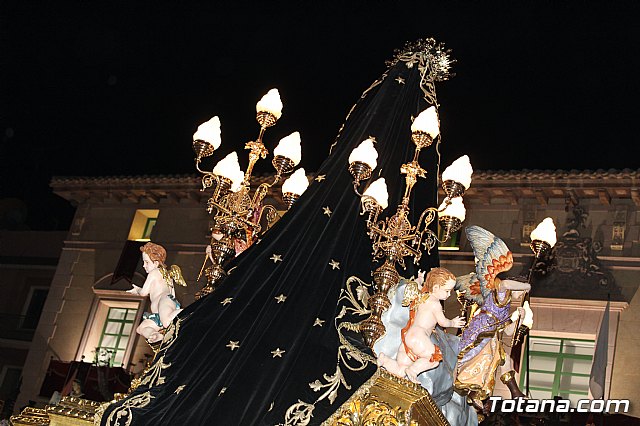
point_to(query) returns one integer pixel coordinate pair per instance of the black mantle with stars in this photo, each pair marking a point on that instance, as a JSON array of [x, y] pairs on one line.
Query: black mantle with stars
[[250, 350]]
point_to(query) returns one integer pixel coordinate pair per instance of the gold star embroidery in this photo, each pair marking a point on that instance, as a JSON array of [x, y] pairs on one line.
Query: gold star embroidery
[[276, 258], [277, 353], [233, 344], [400, 80], [318, 322], [334, 264], [226, 301], [320, 178], [179, 389], [281, 298], [327, 211], [373, 138], [223, 390]]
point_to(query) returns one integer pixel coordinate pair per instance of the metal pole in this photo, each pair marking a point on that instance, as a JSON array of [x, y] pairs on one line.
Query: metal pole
[[526, 354]]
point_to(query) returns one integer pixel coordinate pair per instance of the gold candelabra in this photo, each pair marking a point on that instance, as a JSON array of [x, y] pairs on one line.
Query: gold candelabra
[[395, 237], [240, 217]]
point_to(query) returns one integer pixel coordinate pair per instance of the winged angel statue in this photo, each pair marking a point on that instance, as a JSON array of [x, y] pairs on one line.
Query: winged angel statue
[[482, 344]]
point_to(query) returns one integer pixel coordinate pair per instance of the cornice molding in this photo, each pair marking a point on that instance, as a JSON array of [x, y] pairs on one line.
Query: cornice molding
[[510, 186]]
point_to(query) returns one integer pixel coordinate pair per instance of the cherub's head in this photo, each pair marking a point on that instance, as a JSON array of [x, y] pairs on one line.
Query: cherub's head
[[439, 283], [153, 255]]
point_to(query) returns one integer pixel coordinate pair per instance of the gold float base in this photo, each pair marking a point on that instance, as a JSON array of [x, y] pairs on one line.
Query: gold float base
[[69, 412], [389, 400]]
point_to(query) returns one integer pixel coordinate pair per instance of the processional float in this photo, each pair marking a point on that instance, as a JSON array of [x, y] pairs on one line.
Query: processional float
[[240, 216]]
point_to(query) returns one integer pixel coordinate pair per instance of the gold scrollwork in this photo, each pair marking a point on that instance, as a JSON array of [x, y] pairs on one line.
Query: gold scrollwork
[[121, 416], [373, 412], [154, 376]]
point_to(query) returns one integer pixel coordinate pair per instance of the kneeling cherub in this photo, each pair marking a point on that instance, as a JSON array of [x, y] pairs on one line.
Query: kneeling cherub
[[417, 353]]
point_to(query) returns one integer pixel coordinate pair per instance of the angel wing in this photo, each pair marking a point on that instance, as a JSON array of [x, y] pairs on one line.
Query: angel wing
[[492, 256], [411, 292], [470, 285], [176, 275]]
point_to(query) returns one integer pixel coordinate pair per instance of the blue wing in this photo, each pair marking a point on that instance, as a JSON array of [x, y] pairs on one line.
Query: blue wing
[[488, 249], [469, 284]]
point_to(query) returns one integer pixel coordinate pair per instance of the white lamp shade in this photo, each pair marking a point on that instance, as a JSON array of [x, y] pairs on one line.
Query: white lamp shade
[[270, 103], [209, 131], [378, 191], [545, 231], [297, 183], [427, 122], [365, 153], [229, 168], [528, 315], [459, 171], [455, 209], [289, 147], [515, 315]]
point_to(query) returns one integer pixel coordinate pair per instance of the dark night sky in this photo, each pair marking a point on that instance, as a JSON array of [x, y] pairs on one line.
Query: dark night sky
[[110, 88]]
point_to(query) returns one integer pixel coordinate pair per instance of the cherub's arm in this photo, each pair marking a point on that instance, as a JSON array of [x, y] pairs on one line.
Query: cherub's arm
[[444, 321], [154, 277], [134, 290]]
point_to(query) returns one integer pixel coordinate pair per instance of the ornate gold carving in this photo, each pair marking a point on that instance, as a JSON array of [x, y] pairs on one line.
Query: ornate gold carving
[[121, 416], [388, 400], [31, 416], [348, 356], [153, 376], [70, 411]]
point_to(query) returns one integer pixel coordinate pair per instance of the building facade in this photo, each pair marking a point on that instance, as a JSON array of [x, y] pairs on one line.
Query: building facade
[[28, 263], [88, 313]]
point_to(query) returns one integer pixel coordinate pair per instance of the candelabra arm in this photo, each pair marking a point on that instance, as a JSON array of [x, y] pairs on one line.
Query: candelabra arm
[[261, 134], [446, 203], [356, 184], [258, 196], [426, 218], [276, 179], [198, 161], [271, 215], [209, 180]]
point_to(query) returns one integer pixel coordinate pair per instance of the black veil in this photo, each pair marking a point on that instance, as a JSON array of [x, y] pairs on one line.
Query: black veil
[[244, 355]]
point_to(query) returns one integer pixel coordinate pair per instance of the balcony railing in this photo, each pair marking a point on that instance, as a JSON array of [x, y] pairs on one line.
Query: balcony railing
[[17, 327]]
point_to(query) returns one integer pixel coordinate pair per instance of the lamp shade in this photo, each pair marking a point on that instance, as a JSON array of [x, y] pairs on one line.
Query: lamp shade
[[229, 168], [270, 103], [528, 315], [209, 131], [545, 231], [297, 183], [455, 209], [365, 153], [289, 147], [459, 171], [378, 191], [427, 122]]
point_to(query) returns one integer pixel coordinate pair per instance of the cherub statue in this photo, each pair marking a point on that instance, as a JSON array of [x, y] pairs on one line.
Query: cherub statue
[[159, 286], [482, 351], [417, 353]]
